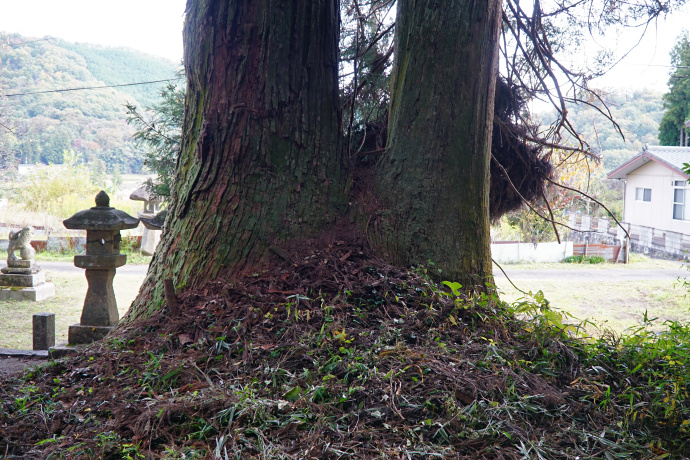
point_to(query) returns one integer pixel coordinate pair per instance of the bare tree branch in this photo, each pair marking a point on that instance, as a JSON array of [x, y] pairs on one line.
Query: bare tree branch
[[593, 199]]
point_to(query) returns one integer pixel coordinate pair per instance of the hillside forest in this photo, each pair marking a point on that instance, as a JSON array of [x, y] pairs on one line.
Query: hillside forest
[[93, 124], [637, 112], [312, 301], [41, 123]]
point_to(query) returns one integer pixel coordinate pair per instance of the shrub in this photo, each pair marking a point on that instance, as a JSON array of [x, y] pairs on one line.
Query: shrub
[[584, 260], [57, 189]]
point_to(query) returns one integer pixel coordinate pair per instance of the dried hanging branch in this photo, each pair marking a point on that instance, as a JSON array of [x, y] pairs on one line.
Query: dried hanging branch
[[531, 43], [529, 205], [529, 49]]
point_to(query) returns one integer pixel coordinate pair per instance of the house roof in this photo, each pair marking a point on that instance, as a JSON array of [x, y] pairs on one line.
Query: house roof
[[671, 157]]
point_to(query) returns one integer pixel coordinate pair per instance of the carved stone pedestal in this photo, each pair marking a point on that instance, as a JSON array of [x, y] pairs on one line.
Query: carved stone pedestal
[[22, 279]]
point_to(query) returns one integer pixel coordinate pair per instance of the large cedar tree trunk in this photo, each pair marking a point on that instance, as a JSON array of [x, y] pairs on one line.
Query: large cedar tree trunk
[[435, 174], [260, 162]]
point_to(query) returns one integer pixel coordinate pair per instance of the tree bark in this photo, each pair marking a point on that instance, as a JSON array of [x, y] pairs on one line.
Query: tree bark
[[260, 162], [435, 174]]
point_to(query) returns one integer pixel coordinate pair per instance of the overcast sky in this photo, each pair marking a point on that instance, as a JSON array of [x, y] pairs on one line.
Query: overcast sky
[[648, 64], [151, 26], [155, 27]]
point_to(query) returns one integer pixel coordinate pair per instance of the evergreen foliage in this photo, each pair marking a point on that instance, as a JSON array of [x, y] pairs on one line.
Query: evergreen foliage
[[672, 129], [366, 47], [117, 65], [159, 130]]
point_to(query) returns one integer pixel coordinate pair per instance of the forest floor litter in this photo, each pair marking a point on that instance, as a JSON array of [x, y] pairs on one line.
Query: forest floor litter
[[336, 354]]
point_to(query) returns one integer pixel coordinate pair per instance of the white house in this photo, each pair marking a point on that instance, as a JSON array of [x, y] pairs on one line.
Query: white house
[[23, 169], [657, 196]]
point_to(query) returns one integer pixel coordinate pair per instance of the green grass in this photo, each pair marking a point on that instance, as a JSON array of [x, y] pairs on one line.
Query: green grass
[[584, 260], [16, 327], [616, 305], [133, 257]]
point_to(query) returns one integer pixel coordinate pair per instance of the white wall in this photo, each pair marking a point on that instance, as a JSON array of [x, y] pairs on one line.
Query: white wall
[[657, 213], [527, 252]]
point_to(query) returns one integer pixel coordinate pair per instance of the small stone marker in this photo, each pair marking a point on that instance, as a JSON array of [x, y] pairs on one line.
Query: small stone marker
[[44, 331], [22, 279], [102, 224]]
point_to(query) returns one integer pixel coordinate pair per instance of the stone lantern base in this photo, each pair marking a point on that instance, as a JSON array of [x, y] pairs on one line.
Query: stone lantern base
[[34, 294], [149, 241], [24, 280], [99, 313], [79, 334]]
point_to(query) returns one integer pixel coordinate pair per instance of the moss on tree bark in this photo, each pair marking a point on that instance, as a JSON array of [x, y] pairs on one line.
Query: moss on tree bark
[[435, 174], [260, 162]]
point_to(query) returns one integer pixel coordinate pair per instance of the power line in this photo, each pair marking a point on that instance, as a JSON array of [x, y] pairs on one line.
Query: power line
[[64, 90], [25, 43]]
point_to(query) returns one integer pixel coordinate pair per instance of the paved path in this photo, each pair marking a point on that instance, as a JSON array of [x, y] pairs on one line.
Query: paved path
[[129, 269], [569, 272], [13, 367], [593, 274]]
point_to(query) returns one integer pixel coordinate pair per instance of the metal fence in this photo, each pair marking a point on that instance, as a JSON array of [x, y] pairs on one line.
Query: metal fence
[[645, 240]]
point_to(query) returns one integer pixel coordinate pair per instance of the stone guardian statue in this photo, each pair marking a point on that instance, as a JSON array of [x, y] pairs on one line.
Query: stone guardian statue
[[21, 241]]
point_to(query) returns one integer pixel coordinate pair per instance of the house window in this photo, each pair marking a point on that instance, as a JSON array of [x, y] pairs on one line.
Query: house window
[[643, 194], [680, 198]]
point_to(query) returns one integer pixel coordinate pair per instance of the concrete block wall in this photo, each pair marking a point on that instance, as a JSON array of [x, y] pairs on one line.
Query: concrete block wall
[[530, 252]]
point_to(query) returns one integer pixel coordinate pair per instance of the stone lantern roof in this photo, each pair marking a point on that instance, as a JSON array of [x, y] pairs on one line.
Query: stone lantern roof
[[143, 193], [101, 217], [156, 222]]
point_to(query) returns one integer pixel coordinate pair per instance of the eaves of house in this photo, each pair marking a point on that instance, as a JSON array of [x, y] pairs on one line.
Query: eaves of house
[[672, 158]]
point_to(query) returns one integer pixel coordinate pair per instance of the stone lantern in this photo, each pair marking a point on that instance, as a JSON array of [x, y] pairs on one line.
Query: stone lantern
[[151, 235], [102, 224]]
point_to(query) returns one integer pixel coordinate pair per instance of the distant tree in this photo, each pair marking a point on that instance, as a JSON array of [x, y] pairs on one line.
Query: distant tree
[[97, 172], [159, 132], [672, 129], [8, 142], [57, 142], [50, 187], [115, 178]]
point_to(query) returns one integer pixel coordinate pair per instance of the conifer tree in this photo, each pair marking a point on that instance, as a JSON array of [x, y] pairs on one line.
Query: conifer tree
[[672, 129]]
